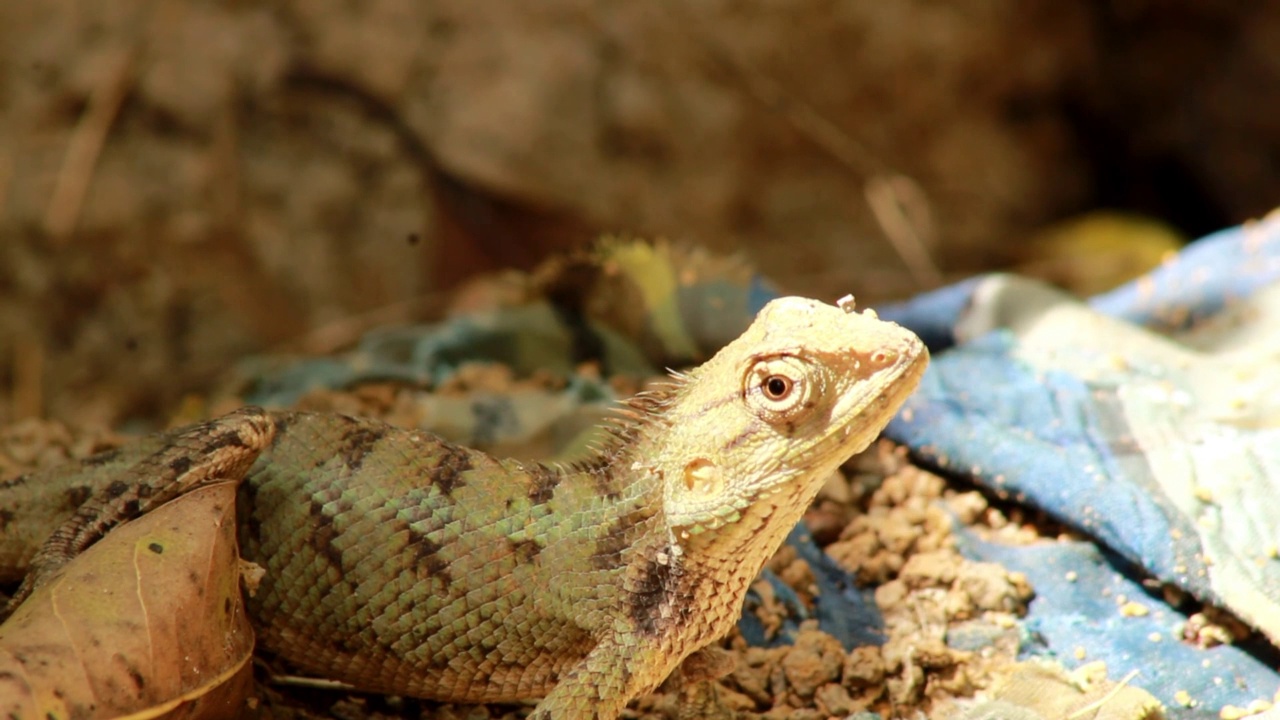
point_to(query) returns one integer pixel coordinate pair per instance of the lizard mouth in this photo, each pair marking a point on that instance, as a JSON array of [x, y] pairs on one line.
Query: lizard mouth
[[860, 422]]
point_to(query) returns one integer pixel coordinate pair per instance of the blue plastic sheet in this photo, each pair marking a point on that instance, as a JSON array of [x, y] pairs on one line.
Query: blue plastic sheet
[[1146, 418]]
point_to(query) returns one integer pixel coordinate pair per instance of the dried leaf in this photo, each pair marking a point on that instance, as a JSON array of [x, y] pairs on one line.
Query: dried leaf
[[147, 623]]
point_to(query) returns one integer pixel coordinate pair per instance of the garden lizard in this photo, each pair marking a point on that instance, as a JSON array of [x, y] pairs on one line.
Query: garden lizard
[[399, 562]]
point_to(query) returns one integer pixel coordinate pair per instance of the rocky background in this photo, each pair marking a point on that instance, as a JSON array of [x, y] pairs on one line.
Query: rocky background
[[183, 182]]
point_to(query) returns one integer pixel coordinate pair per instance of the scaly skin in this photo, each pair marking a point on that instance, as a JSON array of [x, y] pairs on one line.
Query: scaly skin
[[401, 563]]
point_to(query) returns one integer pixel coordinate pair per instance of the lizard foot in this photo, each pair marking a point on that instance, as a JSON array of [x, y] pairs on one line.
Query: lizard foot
[[221, 449]]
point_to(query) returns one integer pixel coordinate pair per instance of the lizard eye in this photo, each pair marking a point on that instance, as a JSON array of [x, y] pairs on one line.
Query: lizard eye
[[777, 388]]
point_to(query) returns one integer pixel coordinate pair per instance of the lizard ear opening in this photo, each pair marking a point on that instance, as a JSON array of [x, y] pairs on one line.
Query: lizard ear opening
[[703, 477], [700, 499]]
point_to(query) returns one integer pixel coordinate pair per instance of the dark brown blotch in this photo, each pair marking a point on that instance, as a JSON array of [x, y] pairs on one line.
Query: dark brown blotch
[[156, 548], [448, 473], [77, 495], [428, 554], [357, 445], [225, 439], [117, 488], [281, 423], [525, 551], [323, 536], [542, 483], [655, 586], [180, 465]]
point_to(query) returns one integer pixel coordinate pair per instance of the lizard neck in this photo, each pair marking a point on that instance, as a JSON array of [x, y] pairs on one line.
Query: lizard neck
[[612, 479], [601, 513], [741, 548], [665, 574], [715, 568]]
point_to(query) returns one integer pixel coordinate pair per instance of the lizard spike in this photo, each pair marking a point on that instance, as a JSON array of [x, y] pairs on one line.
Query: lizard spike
[[664, 387], [652, 401]]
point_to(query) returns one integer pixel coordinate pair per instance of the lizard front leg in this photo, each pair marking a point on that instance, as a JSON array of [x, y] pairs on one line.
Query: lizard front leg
[[221, 449], [602, 683], [695, 680], [616, 672]]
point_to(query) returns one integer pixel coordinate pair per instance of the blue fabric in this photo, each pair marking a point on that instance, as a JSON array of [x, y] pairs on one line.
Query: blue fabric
[[1082, 616], [843, 610], [1007, 416], [1206, 277]]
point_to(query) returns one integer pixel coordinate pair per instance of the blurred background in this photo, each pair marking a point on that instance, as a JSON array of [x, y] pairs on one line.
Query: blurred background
[[185, 182]]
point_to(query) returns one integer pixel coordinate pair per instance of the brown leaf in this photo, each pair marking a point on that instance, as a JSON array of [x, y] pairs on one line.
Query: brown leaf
[[148, 623]]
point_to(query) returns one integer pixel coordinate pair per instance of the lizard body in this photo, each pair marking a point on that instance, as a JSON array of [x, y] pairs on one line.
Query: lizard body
[[402, 563]]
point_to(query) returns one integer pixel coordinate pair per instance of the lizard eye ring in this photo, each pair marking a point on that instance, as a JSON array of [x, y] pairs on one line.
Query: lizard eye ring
[[777, 388]]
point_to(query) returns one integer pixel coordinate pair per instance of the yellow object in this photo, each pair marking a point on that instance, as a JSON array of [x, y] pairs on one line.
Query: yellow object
[[1097, 251]]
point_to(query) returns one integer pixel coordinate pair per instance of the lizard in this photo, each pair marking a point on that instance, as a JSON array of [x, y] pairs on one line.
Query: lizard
[[399, 562]]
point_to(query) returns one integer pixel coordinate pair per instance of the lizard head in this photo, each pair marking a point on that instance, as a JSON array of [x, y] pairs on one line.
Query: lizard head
[[750, 436]]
